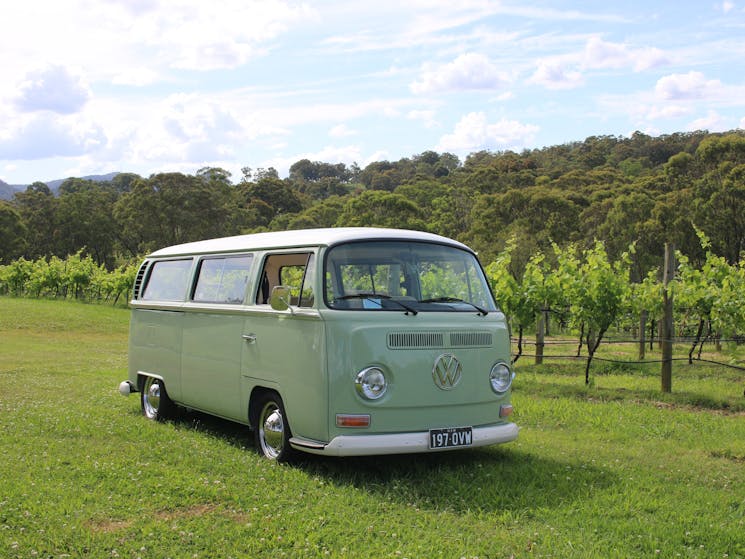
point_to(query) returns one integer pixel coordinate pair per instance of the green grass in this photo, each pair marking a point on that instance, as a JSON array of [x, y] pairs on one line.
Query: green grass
[[610, 470]]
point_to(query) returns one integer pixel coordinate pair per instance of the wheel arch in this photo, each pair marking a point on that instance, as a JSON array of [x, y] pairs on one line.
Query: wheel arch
[[257, 393], [142, 375]]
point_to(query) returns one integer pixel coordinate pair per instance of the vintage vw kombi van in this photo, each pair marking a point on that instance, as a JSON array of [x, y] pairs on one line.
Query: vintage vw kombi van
[[349, 341]]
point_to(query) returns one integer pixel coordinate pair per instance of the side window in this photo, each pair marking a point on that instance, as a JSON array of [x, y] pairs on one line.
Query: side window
[[168, 280], [295, 271], [223, 279]]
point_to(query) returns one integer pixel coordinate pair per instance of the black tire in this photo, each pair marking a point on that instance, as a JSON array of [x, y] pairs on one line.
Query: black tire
[[154, 400], [272, 429]]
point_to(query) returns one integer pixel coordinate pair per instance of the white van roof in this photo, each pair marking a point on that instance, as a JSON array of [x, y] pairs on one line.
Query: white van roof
[[301, 238]]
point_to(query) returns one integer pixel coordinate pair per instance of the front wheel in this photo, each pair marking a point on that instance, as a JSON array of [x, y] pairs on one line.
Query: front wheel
[[271, 429], [156, 404]]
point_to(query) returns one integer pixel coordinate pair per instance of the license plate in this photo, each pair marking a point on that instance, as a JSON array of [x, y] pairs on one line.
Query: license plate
[[450, 437]]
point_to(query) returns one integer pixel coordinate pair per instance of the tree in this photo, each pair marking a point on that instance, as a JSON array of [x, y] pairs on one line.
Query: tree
[[266, 199], [381, 209], [720, 209], [38, 209], [85, 220], [122, 182], [322, 214], [305, 171], [539, 215], [12, 233], [172, 208], [624, 224]]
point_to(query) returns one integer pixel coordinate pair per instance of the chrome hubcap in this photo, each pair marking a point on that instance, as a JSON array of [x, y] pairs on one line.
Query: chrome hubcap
[[151, 398], [272, 430]]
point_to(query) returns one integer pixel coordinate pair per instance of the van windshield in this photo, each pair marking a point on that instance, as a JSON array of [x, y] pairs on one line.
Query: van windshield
[[408, 276]]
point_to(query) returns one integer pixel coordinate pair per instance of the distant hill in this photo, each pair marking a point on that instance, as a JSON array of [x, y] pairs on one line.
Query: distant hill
[[7, 190]]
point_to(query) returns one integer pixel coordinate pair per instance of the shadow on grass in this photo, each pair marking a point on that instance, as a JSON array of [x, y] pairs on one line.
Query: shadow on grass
[[491, 479]]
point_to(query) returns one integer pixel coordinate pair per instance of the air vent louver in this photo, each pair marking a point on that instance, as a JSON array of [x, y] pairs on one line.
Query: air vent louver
[[136, 292], [413, 340], [470, 339], [435, 340]]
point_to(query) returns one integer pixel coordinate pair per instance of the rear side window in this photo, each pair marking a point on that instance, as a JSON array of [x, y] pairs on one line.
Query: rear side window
[[223, 279], [168, 280]]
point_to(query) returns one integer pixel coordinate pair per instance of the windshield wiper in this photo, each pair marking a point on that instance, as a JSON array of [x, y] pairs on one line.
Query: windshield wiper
[[481, 310], [373, 296]]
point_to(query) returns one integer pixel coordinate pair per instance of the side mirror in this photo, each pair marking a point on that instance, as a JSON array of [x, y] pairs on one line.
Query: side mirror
[[280, 298]]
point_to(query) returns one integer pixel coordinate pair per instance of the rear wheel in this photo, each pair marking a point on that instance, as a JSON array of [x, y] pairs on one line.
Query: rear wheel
[[271, 429], [156, 404]]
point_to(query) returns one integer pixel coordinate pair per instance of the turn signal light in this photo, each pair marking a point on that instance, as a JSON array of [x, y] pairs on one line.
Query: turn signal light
[[505, 411], [352, 420]]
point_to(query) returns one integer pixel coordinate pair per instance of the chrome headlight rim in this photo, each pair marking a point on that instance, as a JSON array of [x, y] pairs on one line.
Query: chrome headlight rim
[[500, 377], [371, 383]]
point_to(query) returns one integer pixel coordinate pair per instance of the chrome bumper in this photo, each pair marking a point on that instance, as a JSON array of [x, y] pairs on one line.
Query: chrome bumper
[[401, 443]]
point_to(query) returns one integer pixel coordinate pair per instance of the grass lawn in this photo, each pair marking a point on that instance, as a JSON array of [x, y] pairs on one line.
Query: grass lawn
[[610, 470]]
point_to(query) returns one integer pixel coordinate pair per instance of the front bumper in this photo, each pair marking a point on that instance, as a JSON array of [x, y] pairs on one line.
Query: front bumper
[[401, 443]]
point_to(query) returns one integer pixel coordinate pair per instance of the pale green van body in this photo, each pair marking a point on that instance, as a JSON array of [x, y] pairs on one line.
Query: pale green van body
[[216, 357]]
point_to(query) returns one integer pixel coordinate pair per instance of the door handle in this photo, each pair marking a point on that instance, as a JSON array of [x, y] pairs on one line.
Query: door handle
[[250, 338]]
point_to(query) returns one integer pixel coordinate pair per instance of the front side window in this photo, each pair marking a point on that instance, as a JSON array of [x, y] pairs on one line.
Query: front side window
[[223, 279], [168, 280], [295, 271], [396, 275]]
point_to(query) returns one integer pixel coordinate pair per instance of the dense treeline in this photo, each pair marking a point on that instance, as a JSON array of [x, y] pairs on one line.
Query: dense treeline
[[642, 189]]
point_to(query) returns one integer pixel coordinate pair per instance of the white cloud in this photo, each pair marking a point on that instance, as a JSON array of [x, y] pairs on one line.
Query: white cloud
[[506, 96], [713, 122], [54, 88], [184, 127], [666, 111], [602, 54], [599, 54], [427, 117], [467, 71], [692, 85], [139, 76], [341, 131], [474, 133], [649, 58], [46, 135], [555, 74], [202, 35], [117, 39], [569, 71]]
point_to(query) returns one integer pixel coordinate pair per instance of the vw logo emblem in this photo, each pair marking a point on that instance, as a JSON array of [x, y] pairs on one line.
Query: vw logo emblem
[[447, 371]]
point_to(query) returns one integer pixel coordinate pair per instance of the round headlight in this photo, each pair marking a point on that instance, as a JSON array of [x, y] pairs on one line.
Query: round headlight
[[371, 383], [500, 378]]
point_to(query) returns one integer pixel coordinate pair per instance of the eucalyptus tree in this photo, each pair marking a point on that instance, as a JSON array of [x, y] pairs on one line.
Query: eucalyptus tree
[[382, 209], [12, 233], [172, 208], [85, 220], [38, 209]]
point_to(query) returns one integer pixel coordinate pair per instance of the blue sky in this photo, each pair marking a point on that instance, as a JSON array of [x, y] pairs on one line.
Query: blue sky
[[94, 86]]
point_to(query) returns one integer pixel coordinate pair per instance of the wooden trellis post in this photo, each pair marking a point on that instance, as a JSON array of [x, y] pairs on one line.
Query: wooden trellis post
[[667, 331]]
